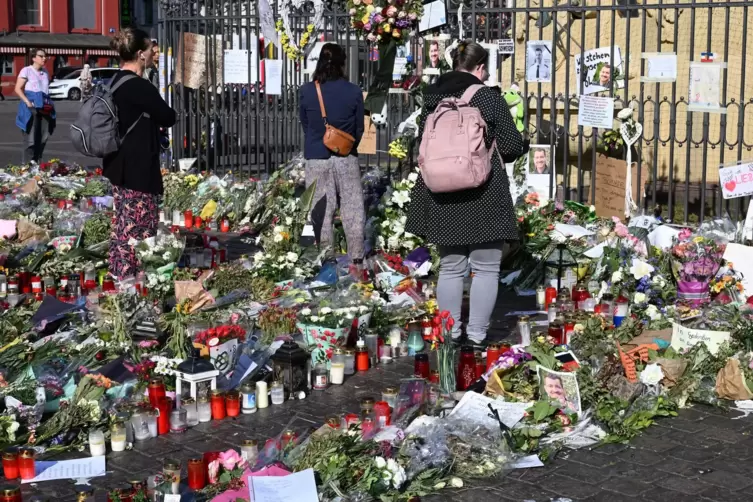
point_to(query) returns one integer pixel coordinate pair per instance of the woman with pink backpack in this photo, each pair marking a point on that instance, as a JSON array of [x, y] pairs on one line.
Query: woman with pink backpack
[[462, 200]]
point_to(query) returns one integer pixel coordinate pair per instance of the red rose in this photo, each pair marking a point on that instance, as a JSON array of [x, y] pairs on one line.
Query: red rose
[[358, 25], [450, 323], [445, 314]]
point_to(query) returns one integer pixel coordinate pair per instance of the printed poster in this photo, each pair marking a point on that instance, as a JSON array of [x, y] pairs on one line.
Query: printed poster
[[593, 67]]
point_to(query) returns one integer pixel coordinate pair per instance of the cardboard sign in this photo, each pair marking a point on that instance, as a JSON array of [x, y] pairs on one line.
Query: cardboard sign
[[736, 180], [684, 338], [368, 144], [192, 67], [610, 186], [223, 356]]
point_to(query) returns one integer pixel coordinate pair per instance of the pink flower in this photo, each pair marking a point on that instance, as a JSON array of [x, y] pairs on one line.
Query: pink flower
[[367, 26], [413, 16], [229, 459], [621, 230], [391, 11], [148, 344], [684, 234], [213, 470]]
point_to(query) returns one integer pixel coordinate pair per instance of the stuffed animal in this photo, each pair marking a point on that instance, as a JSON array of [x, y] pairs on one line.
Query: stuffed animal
[[516, 103]]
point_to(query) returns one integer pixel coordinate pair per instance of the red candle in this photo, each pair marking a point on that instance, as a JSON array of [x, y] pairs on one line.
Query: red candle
[[382, 413], [549, 296], [362, 359], [196, 474], [156, 391], [492, 354], [225, 225], [10, 494], [557, 332], [26, 464], [209, 457], [165, 406], [36, 284], [218, 405], [351, 419], [434, 377], [233, 404], [188, 219], [466, 368], [10, 464], [197, 222], [421, 366]]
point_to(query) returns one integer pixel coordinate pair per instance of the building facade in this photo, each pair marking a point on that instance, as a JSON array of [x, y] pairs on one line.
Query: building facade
[[73, 32]]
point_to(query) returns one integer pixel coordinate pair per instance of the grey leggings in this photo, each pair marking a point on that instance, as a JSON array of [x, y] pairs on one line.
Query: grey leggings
[[337, 178], [484, 260]]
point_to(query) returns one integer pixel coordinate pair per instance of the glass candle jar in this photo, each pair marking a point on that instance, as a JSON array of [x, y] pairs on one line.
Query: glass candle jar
[[248, 399], [395, 336], [372, 345], [350, 362], [368, 426], [333, 422], [10, 464], [218, 405], [165, 406], [250, 451], [10, 494], [118, 436], [337, 367], [524, 328], [493, 352], [26, 463], [140, 426], [466, 368], [362, 357], [389, 396], [367, 405], [351, 420], [196, 474], [434, 377], [540, 297], [209, 457], [415, 340], [550, 295], [320, 377], [171, 471], [480, 365], [277, 393], [233, 403], [557, 332], [421, 367], [178, 419], [97, 446], [204, 409], [192, 411], [382, 414], [262, 397], [156, 390], [151, 421]]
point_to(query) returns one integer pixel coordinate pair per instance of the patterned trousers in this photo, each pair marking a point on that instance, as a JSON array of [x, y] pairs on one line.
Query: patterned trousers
[[136, 217]]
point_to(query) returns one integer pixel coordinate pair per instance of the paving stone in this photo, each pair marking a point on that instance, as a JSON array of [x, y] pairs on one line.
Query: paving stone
[[583, 473], [655, 444], [726, 479], [739, 451], [567, 487], [666, 495], [692, 454], [723, 495], [610, 449], [631, 487], [637, 456], [690, 440], [696, 413], [682, 468], [721, 422], [688, 425], [723, 435], [638, 472], [689, 486], [518, 490], [534, 474], [588, 457]]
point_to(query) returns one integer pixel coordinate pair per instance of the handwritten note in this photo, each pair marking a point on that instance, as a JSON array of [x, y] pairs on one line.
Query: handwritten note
[[610, 186], [273, 76], [368, 144], [190, 68], [236, 67], [684, 338], [475, 408], [736, 180], [660, 67], [299, 486], [87, 467], [595, 111], [705, 83]]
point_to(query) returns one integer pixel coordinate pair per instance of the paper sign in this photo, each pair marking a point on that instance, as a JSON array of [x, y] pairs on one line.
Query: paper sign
[[474, 408], [705, 83], [190, 68], [368, 144], [273, 76], [171, 497], [742, 261], [528, 462], [595, 111], [87, 467], [299, 486], [684, 338], [736, 180], [599, 69], [539, 183], [610, 186], [236, 67], [506, 46], [660, 67]]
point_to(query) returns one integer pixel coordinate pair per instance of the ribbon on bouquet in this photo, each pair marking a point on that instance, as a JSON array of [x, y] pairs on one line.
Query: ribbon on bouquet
[[630, 137]]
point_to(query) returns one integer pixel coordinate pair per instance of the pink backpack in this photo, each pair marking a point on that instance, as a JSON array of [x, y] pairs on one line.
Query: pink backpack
[[453, 155]]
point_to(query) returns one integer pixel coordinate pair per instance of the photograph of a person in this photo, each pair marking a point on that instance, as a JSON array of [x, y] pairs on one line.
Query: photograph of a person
[[540, 159], [560, 388], [600, 70], [539, 61], [434, 49], [603, 75]]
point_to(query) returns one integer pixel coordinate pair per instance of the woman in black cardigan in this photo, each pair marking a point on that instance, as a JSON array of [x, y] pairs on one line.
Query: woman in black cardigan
[[470, 226]]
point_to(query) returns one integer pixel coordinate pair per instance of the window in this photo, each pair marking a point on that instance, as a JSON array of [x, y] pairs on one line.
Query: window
[[72, 76], [6, 64], [27, 12], [82, 14]]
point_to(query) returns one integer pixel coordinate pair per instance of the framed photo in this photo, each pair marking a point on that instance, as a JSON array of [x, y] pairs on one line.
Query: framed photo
[[435, 15], [540, 159], [434, 62], [539, 61], [560, 388]]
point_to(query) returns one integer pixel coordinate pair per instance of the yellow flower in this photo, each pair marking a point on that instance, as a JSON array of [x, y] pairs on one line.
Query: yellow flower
[[310, 28], [698, 239]]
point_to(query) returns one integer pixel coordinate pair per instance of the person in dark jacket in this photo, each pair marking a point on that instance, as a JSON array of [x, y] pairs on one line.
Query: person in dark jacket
[[470, 226], [134, 169], [335, 176]]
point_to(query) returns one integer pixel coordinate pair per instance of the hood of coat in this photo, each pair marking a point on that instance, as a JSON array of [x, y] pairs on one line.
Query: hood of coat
[[453, 82]]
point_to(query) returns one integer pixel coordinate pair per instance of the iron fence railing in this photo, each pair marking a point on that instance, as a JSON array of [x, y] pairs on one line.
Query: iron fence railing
[[236, 127]]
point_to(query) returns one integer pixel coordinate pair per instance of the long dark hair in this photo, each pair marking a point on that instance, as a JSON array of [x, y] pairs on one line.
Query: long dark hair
[[468, 55], [331, 64]]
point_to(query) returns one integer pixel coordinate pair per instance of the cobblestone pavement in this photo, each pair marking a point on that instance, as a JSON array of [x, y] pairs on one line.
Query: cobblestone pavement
[[702, 455]]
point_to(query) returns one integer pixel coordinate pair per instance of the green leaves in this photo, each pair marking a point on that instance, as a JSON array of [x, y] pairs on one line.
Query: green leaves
[[542, 410]]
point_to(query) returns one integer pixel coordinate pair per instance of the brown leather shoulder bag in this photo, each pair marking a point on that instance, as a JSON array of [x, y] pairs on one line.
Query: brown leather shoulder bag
[[337, 141]]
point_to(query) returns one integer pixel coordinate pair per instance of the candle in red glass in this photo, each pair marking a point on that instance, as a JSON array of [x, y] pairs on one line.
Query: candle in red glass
[[188, 219], [466, 368], [382, 413], [197, 474], [569, 328], [209, 457], [434, 376], [421, 366], [197, 222], [156, 390], [26, 464], [165, 406], [549, 296], [225, 226], [36, 284], [10, 494], [492, 354], [218, 405], [557, 332], [233, 404], [580, 293], [362, 358], [480, 365], [351, 419], [10, 464]]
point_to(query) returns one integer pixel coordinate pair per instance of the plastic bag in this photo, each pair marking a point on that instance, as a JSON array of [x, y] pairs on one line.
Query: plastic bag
[[68, 222]]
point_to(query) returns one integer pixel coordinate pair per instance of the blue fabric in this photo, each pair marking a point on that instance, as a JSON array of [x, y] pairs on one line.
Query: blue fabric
[[343, 102], [24, 115]]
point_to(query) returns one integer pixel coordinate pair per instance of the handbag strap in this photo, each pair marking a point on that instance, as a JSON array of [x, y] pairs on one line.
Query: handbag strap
[[321, 102]]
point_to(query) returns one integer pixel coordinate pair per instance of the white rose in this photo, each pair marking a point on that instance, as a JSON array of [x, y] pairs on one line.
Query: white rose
[[293, 257], [288, 220], [617, 276], [652, 374], [640, 269], [653, 313], [413, 177], [456, 482], [278, 237], [325, 310], [306, 311], [315, 318], [639, 297], [380, 462]]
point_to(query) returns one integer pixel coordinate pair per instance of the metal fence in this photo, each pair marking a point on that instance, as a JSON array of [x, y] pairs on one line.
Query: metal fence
[[230, 127]]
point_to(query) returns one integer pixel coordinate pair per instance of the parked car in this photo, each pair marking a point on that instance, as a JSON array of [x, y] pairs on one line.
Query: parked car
[[64, 71], [70, 87]]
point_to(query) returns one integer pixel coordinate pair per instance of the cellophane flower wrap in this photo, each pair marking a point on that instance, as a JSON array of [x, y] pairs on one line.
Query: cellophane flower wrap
[[442, 343], [696, 259]]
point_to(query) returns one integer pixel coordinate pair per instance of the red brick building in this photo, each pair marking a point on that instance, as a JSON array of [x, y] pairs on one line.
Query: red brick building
[[73, 32]]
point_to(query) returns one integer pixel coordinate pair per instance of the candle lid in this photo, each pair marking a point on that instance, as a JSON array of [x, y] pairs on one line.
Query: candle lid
[[247, 388], [493, 346], [10, 455], [232, 394], [250, 442], [155, 381], [339, 351], [523, 318], [195, 460], [171, 465], [217, 392], [117, 425], [350, 352], [188, 400], [391, 390], [11, 490], [27, 453], [288, 433], [367, 401]]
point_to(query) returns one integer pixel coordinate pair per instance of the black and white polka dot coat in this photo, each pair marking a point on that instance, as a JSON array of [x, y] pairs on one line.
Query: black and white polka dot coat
[[479, 215]]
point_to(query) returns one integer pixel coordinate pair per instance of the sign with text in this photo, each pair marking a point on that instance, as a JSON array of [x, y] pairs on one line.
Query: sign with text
[[684, 338], [595, 111], [736, 180], [611, 175], [192, 68], [506, 46]]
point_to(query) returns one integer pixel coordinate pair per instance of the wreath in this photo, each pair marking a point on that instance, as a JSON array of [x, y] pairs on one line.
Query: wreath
[[292, 50], [385, 20]]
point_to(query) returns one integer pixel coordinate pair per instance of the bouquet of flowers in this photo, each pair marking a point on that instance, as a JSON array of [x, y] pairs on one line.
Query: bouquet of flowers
[[157, 252], [384, 20], [727, 286], [280, 267], [215, 336], [391, 234], [324, 329], [275, 321], [442, 342], [695, 262]]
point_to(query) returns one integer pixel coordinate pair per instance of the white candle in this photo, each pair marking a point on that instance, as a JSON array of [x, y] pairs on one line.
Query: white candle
[[262, 399], [118, 443], [396, 336], [337, 373], [178, 219], [97, 443]]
